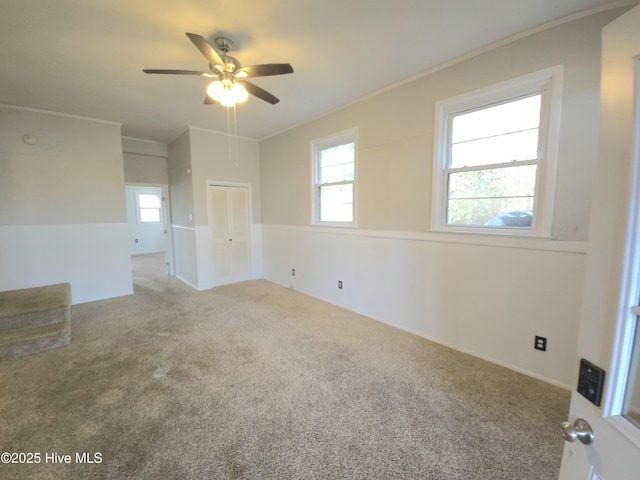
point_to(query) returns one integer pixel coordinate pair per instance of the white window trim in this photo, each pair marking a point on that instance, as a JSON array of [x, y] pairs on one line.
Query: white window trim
[[346, 136], [550, 82], [138, 208]]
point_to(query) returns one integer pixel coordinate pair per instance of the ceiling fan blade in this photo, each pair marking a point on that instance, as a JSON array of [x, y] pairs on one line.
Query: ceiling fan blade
[[206, 49], [178, 72], [261, 93], [209, 101], [265, 70]]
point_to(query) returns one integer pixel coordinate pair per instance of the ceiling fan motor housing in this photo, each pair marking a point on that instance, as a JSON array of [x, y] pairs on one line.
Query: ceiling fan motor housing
[[230, 63]]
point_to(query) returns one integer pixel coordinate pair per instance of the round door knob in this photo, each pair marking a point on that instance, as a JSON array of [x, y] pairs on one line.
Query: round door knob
[[580, 430]]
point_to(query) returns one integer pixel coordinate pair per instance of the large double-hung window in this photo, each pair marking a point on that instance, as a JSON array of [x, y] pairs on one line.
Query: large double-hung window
[[496, 157]]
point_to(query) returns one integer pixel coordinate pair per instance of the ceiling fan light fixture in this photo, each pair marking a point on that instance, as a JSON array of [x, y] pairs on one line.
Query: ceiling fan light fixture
[[227, 98], [216, 90], [240, 93], [227, 93]]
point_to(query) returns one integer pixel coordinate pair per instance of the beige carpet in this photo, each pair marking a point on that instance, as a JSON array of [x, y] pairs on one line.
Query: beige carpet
[[257, 381]]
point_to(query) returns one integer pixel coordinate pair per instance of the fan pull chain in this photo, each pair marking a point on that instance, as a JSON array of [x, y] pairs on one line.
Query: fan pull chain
[[235, 133], [229, 131], [235, 127]]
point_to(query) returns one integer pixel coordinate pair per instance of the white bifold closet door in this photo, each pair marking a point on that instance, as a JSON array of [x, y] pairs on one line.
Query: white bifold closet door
[[229, 230]]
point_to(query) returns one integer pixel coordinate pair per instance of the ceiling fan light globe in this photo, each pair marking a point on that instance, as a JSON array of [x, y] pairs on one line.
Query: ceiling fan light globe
[[240, 93], [227, 99], [216, 90]]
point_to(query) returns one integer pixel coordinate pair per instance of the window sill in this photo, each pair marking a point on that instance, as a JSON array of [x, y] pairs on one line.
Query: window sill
[[480, 231], [335, 225], [501, 241]]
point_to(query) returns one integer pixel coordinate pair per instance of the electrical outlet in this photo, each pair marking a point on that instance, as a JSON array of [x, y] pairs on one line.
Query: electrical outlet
[[293, 272], [340, 284], [540, 343]]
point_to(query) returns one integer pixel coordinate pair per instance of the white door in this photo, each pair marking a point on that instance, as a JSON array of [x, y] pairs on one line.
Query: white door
[[229, 230], [612, 281], [147, 226]]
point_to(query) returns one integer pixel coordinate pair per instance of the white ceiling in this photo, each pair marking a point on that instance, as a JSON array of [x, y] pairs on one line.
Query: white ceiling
[[85, 57]]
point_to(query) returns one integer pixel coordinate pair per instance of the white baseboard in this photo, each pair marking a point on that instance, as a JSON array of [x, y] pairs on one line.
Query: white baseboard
[[187, 282]]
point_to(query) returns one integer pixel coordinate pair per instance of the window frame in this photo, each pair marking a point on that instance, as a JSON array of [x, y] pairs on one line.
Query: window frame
[[548, 82], [139, 208], [341, 138]]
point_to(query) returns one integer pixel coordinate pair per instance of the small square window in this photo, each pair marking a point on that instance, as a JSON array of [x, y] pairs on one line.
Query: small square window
[[149, 205]]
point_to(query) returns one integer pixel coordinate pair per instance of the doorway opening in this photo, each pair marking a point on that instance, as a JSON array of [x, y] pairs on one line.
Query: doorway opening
[[150, 244]]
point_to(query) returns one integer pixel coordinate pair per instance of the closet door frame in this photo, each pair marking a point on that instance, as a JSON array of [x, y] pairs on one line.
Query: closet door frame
[[226, 184]]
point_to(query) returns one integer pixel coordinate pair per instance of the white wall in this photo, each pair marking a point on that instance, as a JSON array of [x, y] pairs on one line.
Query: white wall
[[223, 159], [396, 131], [144, 147], [185, 255], [487, 299], [145, 162], [62, 205], [209, 157], [219, 157], [92, 257], [145, 169], [181, 201]]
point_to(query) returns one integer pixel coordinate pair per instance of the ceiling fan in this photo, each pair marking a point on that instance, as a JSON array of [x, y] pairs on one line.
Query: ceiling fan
[[229, 86]]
